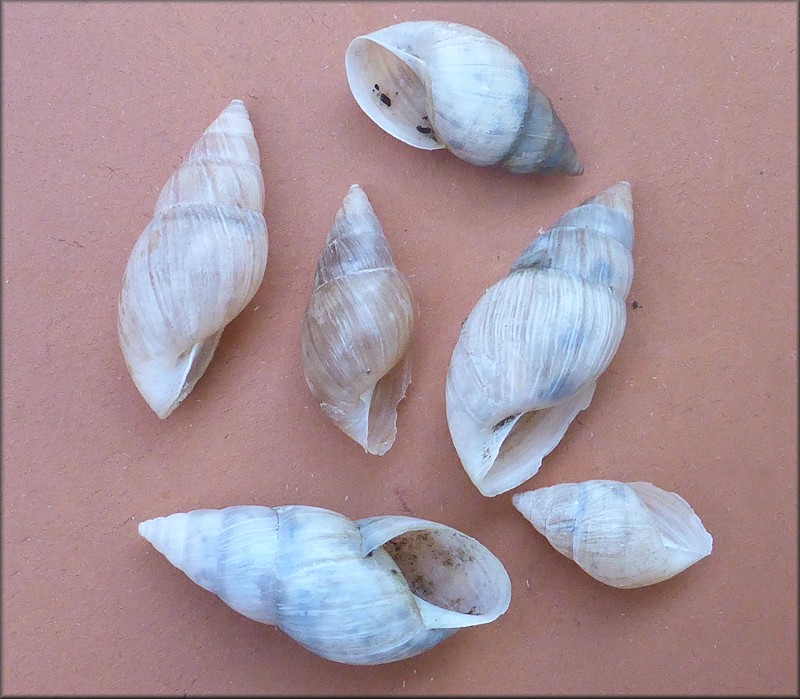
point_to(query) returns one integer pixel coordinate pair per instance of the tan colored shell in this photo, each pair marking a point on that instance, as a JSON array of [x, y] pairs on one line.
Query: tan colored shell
[[439, 85], [530, 352], [357, 327], [625, 535], [359, 592], [197, 264]]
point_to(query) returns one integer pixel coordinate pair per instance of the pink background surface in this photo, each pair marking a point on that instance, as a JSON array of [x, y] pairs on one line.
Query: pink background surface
[[694, 104]]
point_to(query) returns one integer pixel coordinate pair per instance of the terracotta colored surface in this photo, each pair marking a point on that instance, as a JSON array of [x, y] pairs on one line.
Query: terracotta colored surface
[[694, 104]]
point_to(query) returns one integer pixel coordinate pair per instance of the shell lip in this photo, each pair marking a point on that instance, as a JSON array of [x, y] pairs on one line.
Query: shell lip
[[359, 56], [370, 419], [377, 531], [165, 385], [497, 461], [487, 475]]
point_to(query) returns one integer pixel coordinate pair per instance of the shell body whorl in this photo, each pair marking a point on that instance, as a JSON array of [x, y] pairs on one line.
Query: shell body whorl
[[530, 352], [197, 264], [357, 327], [359, 592], [625, 535], [439, 85]]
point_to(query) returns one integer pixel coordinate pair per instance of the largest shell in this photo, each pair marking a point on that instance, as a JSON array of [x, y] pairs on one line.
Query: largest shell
[[359, 592], [530, 353], [197, 264]]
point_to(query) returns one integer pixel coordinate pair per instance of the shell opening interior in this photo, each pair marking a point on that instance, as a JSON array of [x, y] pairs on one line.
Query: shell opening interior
[[166, 383], [519, 442], [446, 569], [679, 526], [192, 365], [523, 444], [383, 401], [390, 92]]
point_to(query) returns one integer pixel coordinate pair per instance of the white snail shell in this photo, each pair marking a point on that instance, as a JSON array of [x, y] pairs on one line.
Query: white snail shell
[[359, 592], [357, 327], [439, 85], [530, 352], [625, 535], [197, 264]]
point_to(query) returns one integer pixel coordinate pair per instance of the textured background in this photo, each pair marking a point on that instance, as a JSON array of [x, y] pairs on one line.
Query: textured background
[[694, 104]]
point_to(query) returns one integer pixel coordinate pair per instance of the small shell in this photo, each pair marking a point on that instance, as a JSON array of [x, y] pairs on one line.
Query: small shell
[[439, 85], [625, 535], [197, 264], [357, 327], [358, 592], [530, 352]]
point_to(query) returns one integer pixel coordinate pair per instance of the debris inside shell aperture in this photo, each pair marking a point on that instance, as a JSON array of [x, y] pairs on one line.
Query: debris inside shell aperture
[[435, 565]]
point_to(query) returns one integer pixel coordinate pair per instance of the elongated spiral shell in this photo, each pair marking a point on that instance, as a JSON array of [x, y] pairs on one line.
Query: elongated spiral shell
[[359, 592], [625, 535], [197, 264], [357, 327], [439, 85], [528, 356]]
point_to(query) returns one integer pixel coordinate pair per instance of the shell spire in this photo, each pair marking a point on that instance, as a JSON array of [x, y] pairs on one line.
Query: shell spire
[[528, 356], [192, 542], [439, 85], [357, 327], [197, 264], [359, 592], [625, 535]]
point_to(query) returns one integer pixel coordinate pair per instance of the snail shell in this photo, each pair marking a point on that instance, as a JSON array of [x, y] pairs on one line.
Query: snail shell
[[356, 328], [625, 535], [530, 352], [359, 592], [197, 264], [439, 85]]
